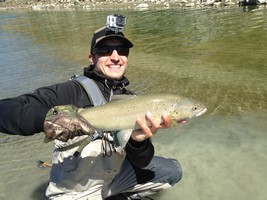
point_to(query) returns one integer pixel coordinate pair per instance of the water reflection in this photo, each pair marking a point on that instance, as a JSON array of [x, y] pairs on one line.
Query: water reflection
[[216, 56]]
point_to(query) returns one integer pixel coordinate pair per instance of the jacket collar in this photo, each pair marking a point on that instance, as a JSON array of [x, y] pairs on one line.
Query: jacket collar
[[114, 84]]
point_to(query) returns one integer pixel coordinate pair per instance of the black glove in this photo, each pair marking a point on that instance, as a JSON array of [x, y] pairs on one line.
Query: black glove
[[64, 123]]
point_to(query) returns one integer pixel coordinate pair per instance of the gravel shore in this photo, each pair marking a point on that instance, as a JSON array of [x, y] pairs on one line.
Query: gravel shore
[[123, 4]]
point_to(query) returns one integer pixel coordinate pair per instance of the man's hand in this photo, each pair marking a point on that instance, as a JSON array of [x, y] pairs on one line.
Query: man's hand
[[146, 132], [64, 123]]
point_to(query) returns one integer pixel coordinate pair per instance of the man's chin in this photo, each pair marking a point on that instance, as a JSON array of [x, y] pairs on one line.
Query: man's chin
[[115, 76]]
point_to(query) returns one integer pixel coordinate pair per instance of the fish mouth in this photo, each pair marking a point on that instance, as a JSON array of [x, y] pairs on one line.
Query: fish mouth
[[201, 112], [181, 121]]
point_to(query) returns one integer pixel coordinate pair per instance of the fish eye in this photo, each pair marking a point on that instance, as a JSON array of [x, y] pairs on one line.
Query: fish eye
[[194, 108], [55, 112]]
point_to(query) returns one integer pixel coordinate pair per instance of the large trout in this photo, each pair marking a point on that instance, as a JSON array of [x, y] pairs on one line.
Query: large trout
[[121, 114]]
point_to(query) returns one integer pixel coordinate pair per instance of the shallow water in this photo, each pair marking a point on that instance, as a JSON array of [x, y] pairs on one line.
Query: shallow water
[[218, 56]]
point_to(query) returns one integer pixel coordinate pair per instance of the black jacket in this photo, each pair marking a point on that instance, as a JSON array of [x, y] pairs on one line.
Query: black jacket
[[25, 114]]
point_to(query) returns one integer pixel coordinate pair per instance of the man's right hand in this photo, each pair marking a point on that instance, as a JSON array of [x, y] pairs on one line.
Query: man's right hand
[[145, 132], [64, 123]]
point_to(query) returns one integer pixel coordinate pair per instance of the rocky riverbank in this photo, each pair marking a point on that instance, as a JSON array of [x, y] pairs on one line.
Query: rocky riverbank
[[124, 4]]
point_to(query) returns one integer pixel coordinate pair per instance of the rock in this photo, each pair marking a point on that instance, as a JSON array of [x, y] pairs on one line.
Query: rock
[[142, 5]]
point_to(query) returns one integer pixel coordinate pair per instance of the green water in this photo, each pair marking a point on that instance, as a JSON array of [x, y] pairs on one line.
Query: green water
[[218, 56]]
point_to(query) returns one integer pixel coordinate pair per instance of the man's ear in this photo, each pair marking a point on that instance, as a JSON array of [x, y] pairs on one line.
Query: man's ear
[[91, 59]]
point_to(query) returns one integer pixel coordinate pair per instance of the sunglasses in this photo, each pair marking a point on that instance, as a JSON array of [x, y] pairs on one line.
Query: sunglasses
[[108, 50]]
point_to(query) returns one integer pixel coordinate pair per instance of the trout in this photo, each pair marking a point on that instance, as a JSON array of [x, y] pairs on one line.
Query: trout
[[121, 114]]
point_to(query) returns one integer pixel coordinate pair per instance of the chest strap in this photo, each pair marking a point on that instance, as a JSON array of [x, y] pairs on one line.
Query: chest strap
[[96, 97], [92, 90]]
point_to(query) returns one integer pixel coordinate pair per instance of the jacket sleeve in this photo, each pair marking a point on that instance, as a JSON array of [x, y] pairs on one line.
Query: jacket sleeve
[[139, 153], [21, 118], [25, 114]]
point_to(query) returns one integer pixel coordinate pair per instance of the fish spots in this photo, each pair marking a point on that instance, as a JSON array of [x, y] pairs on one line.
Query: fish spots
[[162, 106]]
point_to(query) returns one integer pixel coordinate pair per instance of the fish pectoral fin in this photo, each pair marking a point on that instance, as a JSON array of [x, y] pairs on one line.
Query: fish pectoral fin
[[175, 125], [123, 136]]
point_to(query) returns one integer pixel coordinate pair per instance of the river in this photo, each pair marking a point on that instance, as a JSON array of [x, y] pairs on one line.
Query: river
[[217, 56]]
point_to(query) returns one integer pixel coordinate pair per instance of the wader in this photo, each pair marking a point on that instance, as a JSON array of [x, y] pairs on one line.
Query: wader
[[96, 168]]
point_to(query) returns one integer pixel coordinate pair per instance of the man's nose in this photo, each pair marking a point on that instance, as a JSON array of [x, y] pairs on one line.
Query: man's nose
[[115, 56]]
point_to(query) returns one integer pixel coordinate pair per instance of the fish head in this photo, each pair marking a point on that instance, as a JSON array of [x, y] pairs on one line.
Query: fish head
[[64, 110], [186, 109]]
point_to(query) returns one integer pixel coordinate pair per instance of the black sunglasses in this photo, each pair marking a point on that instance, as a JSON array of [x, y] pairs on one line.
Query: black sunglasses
[[108, 50]]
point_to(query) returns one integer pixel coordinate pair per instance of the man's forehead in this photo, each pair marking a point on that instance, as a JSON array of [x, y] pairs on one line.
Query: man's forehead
[[112, 42]]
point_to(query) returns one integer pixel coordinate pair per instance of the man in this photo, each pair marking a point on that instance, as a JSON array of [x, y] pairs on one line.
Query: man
[[103, 168]]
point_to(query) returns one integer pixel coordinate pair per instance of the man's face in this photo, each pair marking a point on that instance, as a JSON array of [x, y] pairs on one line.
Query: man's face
[[113, 64]]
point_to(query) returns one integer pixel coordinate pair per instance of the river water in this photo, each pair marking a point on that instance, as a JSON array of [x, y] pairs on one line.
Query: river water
[[217, 56]]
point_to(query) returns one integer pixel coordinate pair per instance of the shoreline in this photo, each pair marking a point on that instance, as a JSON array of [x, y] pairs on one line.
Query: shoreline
[[121, 4]]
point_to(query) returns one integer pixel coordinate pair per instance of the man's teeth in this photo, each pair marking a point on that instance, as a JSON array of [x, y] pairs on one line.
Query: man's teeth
[[114, 66]]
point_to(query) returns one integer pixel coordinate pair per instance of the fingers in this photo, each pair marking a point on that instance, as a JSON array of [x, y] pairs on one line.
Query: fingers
[[167, 121], [144, 128], [64, 137], [151, 127], [143, 133], [154, 126]]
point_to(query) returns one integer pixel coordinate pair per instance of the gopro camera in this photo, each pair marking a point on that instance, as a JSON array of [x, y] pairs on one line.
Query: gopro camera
[[116, 23]]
